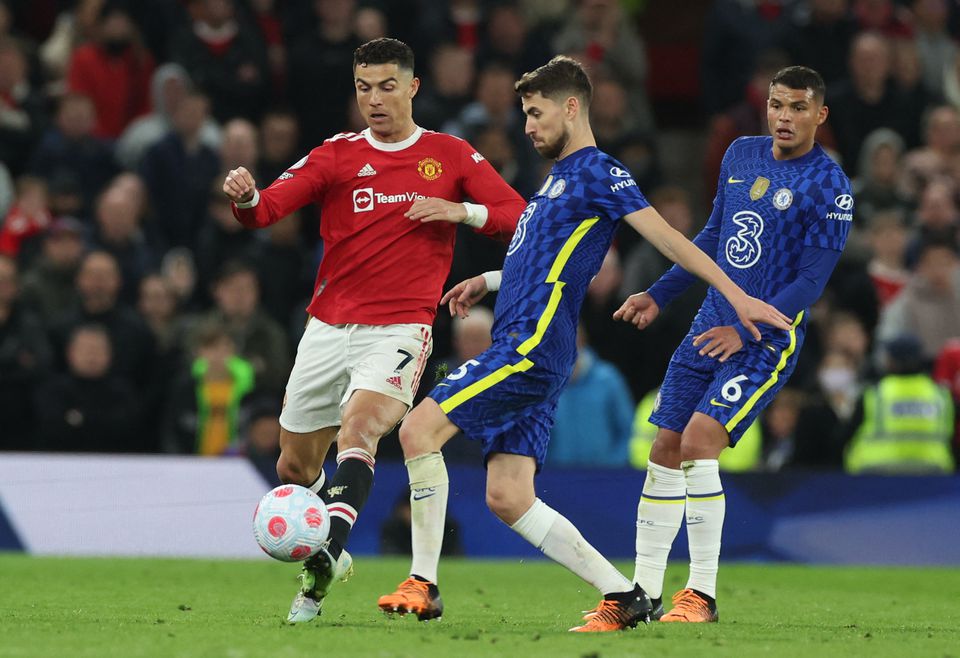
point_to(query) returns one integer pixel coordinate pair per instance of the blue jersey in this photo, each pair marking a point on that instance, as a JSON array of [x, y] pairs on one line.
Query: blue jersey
[[558, 247], [777, 229], [765, 214]]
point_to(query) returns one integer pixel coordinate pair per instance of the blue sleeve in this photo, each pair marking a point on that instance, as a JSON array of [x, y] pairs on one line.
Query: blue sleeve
[[816, 266], [829, 224], [676, 280], [613, 191]]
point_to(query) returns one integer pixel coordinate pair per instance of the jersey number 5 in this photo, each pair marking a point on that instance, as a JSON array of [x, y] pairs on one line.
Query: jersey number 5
[[462, 370]]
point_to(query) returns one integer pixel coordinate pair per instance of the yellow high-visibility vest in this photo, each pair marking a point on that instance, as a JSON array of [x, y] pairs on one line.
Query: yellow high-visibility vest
[[907, 428]]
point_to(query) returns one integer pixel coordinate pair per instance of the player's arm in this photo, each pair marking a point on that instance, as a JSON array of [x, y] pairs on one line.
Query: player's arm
[[470, 291], [672, 244], [496, 206], [674, 282], [295, 188]]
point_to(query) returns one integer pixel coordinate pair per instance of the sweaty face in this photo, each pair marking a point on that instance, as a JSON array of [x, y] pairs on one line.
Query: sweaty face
[[792, 117], [385, 97], [545, 125]]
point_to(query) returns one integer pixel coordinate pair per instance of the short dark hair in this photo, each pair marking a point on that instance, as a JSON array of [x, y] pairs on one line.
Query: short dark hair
[[561, 76], [384, 51], [801, 77]]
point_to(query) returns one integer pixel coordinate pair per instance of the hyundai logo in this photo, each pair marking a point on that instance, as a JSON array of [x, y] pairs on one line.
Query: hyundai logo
[[844, 202], [620, 173]]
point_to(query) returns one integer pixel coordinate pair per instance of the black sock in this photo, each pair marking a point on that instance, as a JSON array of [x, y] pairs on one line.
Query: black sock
[[624, 597], [322, 480], [347, 494], [706, 597]]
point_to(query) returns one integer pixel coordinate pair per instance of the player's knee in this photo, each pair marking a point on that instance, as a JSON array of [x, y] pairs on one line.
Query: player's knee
[[361, 432], [416, 435], [504, 504], [291, 470]]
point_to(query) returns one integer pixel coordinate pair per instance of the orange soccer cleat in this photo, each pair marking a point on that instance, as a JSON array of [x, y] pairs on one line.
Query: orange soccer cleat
[[616, 614], [689, 605], [414, 596]]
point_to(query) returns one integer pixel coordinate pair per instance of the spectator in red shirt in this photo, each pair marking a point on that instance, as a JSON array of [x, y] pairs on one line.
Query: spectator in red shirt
[[114, 71]]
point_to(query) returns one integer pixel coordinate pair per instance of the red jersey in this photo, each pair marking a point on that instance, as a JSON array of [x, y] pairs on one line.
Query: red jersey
[[378, 266]]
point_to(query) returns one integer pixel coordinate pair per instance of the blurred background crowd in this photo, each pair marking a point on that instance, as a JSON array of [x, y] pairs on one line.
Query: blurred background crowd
[[136, 315]]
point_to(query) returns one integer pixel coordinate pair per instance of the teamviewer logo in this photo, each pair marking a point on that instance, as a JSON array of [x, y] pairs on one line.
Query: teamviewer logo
[[363, 199]]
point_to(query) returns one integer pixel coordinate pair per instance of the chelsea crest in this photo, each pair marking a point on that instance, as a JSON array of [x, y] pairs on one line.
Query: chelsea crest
[[783, 198]]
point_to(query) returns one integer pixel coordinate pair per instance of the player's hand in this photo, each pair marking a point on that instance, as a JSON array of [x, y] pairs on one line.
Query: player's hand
[[464, 295], [433, 209], [752, 310], [640, 310], [239, 185], [719, 343]]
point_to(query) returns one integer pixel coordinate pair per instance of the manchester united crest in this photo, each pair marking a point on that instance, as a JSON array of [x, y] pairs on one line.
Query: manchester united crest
[[429, 169]]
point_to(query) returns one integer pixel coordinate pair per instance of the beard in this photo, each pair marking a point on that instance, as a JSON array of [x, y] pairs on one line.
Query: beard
[[552, 150]]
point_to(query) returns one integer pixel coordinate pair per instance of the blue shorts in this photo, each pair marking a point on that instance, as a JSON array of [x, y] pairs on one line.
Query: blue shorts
[[502, 400], [733, 393]]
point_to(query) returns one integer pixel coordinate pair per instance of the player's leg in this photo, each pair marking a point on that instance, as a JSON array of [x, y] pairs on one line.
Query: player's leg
[[309, 423], [661, 505], [366, 418], [385, 367], [422, 435], [302, 455], [659, 515], [701, 444], [511, 497]]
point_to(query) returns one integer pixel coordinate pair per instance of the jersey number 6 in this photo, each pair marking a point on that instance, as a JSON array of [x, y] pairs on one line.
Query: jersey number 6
[[731, 390]]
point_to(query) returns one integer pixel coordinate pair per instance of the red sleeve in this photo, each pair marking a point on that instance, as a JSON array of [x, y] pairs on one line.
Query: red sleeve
[[303, 182], [483, 184]]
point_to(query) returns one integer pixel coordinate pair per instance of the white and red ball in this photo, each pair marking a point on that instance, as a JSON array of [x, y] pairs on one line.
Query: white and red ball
[[291, 523]]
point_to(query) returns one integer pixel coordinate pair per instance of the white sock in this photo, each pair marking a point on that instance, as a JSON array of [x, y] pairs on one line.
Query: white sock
[[705, 510], [659, 516], [560, 541], [319, 483], [429, 489]]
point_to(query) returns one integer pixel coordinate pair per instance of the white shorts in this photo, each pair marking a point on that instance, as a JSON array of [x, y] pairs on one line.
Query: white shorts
[[333, 361]]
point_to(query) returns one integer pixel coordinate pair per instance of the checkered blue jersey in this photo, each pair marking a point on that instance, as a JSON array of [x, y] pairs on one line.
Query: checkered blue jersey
[[771, 222], [558, 247]]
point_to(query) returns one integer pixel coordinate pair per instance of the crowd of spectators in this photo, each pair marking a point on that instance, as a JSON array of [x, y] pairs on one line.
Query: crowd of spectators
[[137, 315]]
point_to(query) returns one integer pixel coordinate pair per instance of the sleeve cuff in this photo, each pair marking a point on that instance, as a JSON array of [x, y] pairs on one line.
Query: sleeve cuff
[[252, 202], [658, 296], [476, 214]]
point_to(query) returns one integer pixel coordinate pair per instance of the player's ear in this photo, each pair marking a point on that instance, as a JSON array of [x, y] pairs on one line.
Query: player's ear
[[822, 114], [572, 107], [414, 87]]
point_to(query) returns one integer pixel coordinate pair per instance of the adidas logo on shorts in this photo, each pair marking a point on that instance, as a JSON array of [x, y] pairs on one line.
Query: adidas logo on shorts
[[395, 381]]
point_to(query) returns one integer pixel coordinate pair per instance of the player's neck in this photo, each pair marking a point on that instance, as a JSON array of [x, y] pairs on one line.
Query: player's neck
[[580, 137], [791, 154], [395, 136]]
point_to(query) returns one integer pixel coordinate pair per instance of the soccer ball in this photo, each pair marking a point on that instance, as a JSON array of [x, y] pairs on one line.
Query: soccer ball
[[291, 523]]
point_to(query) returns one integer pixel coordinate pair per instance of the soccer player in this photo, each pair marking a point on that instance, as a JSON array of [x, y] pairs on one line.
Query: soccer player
[[390, 199], [506, 396], [779, 222]]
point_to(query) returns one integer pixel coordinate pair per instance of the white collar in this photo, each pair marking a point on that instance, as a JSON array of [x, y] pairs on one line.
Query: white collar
[[392, 146]]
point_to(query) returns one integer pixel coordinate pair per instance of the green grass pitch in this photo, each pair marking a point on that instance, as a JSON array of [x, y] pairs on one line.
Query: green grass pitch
[[73, 608]]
